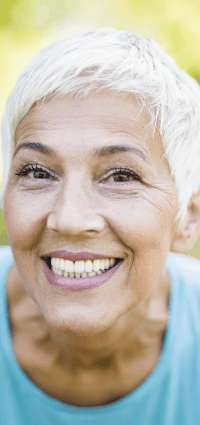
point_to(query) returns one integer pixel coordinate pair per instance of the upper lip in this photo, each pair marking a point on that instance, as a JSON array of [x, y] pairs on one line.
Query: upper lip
[[78, 256]]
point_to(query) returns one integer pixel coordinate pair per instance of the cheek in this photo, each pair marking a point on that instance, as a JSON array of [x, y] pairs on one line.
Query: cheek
[[141, 224], [146, 231], [144, 220], [25, 220]]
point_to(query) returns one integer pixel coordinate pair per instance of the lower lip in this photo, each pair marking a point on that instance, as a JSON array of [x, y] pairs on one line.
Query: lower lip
[[77, 284]]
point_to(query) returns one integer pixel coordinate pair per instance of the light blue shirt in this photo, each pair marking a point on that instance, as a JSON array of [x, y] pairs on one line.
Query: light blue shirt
[[169, 396]]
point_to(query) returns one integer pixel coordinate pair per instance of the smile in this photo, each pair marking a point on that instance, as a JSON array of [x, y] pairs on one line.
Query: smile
[[79, 275], [83, 268]]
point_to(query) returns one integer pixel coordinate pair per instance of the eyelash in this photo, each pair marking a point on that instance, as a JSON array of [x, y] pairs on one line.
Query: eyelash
[[23, 171], [125, 171]]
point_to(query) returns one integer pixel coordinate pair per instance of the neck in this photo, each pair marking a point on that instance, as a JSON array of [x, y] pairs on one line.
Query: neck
[[134, 334], [89, 370]]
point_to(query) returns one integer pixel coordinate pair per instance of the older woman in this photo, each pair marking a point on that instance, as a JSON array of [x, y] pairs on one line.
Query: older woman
[[101, 144]]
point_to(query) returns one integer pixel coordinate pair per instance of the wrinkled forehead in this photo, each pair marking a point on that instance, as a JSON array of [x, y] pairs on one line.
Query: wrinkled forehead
[[119, 115]]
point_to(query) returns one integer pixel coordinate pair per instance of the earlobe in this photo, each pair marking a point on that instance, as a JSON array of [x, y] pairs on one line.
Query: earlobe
[[186, 237]]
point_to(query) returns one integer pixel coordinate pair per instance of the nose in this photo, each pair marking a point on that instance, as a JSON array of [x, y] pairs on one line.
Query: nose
[[75, 212]]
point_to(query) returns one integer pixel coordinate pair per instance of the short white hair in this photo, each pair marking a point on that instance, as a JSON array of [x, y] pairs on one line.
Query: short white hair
[[122, 62]]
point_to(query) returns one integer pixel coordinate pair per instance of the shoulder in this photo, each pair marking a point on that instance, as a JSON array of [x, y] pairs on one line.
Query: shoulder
[[5, 252], [185, 268], [6, 256], [6, 261], [9, 278], [185, 281]]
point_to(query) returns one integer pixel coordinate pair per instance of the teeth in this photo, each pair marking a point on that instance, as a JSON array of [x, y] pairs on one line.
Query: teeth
[[88, 266], [111, 262], [96, 265], [102, 264], [69, 266], [57, 263], [62, 264], [77, 269], [106, 264], [91, 274]]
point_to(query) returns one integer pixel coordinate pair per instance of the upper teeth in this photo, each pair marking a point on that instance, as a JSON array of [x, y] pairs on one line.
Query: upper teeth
[[83, 266]]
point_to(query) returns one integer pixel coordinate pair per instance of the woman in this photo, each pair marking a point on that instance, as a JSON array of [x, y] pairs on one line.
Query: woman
[[101, 176]]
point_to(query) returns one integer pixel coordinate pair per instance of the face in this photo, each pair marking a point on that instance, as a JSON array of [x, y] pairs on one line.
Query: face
[[88, 176]]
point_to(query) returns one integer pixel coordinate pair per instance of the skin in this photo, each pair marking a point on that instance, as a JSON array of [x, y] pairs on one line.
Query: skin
[[94, 346]]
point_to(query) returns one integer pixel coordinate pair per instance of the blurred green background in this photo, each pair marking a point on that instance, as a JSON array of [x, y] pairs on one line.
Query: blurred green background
[[28, 25]]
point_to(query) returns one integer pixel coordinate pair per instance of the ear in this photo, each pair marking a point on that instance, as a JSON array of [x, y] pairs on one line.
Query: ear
[[186, 237]]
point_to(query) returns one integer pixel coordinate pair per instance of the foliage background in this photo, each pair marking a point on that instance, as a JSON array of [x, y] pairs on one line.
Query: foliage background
[[28, 25]]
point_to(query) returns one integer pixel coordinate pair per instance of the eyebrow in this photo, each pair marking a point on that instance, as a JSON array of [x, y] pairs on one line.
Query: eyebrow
[[34, 146], [111, 150], [98, 152]]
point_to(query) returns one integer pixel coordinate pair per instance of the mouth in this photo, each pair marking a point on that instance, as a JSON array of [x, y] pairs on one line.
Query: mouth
[[80, 269], [79, 279]]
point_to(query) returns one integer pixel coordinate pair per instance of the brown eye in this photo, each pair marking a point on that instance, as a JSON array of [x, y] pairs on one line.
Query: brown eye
[[34, 171], [38, 174], [122, 177]]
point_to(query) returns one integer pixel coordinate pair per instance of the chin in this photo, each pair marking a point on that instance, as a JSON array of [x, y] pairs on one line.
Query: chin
[[78, 323]]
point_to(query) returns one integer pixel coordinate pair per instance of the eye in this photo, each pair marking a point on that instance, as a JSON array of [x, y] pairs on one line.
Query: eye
[[123, 176], [37, 174], [35, 171]]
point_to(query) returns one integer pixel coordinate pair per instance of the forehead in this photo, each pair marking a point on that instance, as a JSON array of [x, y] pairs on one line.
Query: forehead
[[93, 119]]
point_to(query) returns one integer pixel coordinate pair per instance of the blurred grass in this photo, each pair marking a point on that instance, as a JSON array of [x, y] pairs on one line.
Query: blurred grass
[[3, 233]]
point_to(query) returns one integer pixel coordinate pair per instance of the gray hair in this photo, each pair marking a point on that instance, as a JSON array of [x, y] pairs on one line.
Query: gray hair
[[122, 62]]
